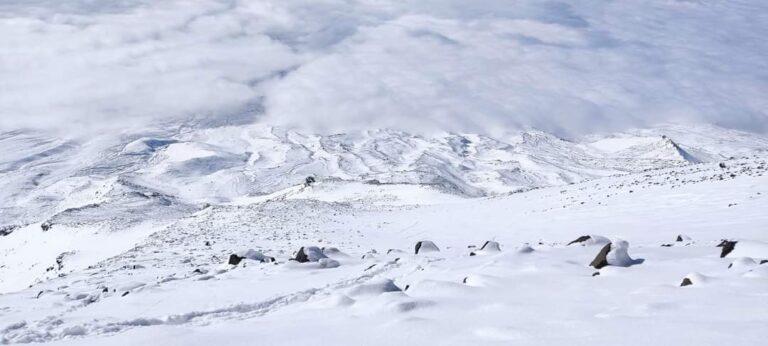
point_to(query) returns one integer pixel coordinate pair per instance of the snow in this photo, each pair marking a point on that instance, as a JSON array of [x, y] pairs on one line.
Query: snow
[[366, 172], [534, 290]]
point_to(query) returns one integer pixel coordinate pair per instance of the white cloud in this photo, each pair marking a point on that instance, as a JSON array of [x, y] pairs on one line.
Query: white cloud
[[332, 65]]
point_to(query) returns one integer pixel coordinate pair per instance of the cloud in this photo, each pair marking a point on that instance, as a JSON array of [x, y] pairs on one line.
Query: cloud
[[331, 66]]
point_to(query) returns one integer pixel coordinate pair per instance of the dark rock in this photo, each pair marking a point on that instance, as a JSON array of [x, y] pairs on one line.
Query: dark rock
[[763, 261], [6, 230], [686, 282], [679, 238], [426, 246], [125, 293], [234, 259], [727, 246], [301, 257], [580, 239], [491, 246], [105, 290], [46, 226], [39, 294], [722, 165], [666, 245], [601, 259], [207, 243], [309, 181], [595, 273]]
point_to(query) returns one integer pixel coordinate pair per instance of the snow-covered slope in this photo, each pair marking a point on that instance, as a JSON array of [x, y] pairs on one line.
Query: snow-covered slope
[[164, 174], [176, 286]]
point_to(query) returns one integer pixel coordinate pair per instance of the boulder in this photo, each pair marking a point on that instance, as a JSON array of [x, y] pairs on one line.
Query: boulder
[[601, 260], [525, 248], [614, 254], [727, 246], [426, 246], [694, 279], [742, 263], [491, 246], [374, 287], [254, 255], [309, 254], [580, 239], [234, 259], [590, 240], [488, 247]]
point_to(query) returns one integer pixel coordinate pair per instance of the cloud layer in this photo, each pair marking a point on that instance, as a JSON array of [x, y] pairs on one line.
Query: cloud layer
[[332, 65]]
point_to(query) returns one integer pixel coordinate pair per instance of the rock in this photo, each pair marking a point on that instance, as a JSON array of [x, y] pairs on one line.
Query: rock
[[254, 255], [666, 245], [301, 257], [426, 246], [742, 263], [234, 259], [619, 255], [681, 238], [45, 226], [722, 165], [309, 254], [686, 282], [596, 274], [328, 263], [601, 259], [763, 261], [488, 247], [6, 230], [374, 287], [309, 181], [590, 240], [727, 246], [580, 239], [491, 246], [525, 248]]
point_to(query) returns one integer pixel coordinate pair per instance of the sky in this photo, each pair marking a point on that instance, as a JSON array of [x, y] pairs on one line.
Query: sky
[[569, 67]]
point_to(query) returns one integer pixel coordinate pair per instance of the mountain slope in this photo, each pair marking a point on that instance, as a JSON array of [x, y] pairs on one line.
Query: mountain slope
[[175, 284], [47, 178]]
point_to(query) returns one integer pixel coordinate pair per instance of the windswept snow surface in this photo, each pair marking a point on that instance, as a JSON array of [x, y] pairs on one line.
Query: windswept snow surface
[[368, 287]]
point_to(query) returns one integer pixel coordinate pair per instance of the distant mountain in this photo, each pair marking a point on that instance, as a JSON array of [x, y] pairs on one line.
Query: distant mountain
[[162, 173]]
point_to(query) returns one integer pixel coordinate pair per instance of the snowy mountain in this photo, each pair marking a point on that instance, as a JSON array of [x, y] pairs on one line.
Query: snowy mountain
[[381, 172], [139, 177]]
